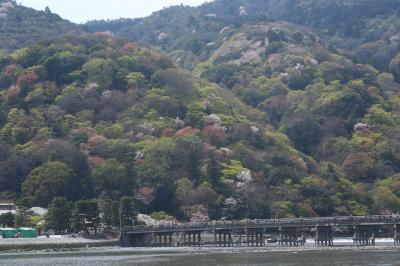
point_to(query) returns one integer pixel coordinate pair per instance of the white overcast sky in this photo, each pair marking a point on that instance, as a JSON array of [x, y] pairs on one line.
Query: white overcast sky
[[83, 10]]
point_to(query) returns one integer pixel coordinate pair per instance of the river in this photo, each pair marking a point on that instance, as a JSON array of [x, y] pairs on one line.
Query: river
[[387, 256]]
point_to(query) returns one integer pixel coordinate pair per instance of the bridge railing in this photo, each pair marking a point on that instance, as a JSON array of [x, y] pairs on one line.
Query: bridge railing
[[268, 223]]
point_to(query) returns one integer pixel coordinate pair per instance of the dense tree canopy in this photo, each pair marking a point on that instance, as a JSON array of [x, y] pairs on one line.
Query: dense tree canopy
[[301, 117], [59, 214], [21, 26], [48, 181]]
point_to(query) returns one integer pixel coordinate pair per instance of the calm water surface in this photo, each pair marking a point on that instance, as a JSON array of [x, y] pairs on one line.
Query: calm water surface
[[203, 257]]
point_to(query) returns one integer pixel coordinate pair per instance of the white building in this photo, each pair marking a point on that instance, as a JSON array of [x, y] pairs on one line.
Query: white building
[[7, 207]]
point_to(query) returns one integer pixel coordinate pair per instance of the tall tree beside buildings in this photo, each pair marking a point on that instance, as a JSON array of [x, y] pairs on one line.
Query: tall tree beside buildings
[[59, 215], [126, 210], [86, 216], [23, 214], [109, 212], [7, 220]]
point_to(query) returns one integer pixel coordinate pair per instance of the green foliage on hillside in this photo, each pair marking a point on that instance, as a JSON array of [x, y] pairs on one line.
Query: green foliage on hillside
[[21, 26], [115, 120], [323, 72], [366, 30], [301, 117]]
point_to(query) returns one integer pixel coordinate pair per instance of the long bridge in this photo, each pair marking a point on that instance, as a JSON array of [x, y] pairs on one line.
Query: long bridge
[[291, 232]]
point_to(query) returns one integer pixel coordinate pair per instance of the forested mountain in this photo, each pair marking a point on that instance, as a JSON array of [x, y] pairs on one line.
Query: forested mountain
[[365, 29], [93, 116], [257, 109], [21, 26], [317, 69]]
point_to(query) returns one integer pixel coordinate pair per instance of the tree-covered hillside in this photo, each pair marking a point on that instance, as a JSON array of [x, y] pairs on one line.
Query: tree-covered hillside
[[21, 26], [323, 72], [366, 30], [270, 115], [92, 116]]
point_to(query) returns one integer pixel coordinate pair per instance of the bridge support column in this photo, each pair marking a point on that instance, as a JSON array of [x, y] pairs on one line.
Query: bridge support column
[[237, 237], [363, 235], [193, 238], [137, 240], [396, 236], [288, 236], [163, 239], [223, 237], [200, 240], [323, 236], [255, 237]]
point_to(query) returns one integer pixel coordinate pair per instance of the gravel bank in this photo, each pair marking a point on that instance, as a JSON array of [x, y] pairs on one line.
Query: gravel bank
[[53, 243]]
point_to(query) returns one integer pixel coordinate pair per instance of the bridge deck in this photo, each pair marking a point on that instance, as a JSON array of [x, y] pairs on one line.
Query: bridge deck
[[268, 223]]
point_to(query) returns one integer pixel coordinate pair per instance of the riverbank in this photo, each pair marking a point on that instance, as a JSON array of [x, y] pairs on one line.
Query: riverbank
[[205, 256], [67, 243], [55, 243]]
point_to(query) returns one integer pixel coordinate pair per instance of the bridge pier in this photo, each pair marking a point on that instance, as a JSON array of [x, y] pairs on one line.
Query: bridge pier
[[223, 237], [192, 238], [163, 239], [136, 240], [255, 237], [237, 237], [363, 235], [323, 236], [288, 236], [396, 237]]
